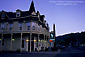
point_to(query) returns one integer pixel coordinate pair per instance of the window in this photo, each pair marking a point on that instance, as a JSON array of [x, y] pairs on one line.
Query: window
[[18, 14], [2, 26], [20, 25], [20, 28], [28, 26], [22, 43], [2, 16], [38, 28], [33, 27], [10, 26], [33, 24]]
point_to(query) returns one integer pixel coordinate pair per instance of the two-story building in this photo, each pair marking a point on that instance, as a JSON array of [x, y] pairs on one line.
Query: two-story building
[[23, 30]]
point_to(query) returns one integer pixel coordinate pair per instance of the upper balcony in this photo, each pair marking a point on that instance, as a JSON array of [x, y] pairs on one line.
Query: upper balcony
[[24, 27]]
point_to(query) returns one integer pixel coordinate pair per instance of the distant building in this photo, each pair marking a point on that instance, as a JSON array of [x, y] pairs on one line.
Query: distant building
[[23, 30]]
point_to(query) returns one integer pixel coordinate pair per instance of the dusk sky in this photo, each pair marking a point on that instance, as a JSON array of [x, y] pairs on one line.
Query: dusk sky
[[68, 15]]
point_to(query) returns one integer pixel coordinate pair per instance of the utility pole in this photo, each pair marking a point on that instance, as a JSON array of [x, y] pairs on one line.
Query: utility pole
[[54, 36]]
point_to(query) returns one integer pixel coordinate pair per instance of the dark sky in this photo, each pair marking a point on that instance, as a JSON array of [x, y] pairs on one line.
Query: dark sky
[[68, 15]]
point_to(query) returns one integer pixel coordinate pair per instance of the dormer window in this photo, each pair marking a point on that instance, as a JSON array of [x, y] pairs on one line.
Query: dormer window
[[3, 16], [18, 13]]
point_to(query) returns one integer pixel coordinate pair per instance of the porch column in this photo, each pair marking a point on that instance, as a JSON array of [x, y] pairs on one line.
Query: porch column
[[44, 42], [21, 43], [1, 42], [11, 43], [38, 42], [47, 42], [27, 43], [30, 41], [34, 43]]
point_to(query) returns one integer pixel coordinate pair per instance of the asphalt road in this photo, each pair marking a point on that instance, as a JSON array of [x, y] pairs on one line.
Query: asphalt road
[[68, 52]]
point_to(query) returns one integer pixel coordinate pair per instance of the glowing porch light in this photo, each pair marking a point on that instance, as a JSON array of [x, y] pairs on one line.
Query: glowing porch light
[[13, 39], [39, 40], [34, 40], [45, 41], [0, 39], [27, 40]]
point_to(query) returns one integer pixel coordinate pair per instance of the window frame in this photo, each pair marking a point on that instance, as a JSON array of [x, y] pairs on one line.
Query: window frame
[[28, 25], [33, 27], [20, 26], [10, 26]]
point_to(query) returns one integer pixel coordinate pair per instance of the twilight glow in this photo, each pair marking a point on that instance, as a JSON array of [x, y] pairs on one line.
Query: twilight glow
[[68, 15]]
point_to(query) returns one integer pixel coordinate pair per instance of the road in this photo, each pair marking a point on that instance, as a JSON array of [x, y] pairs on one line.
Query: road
[[68, 52]]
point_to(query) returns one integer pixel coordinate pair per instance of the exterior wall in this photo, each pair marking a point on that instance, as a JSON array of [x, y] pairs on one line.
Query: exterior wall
[[0, 44], [16, 44], [25, 43], [37, 29], [17, 41], [16, 28], [7, 44], [24, 29]]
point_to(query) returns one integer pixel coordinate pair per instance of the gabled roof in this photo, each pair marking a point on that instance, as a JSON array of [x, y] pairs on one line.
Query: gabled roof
[[11, 14], [30, 15], [22, 13]]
